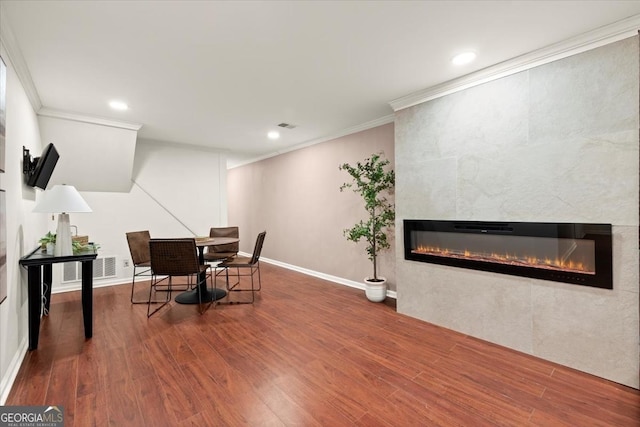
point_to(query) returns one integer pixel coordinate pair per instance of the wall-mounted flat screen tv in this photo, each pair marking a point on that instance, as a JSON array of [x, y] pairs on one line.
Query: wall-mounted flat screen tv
[[39, 175]]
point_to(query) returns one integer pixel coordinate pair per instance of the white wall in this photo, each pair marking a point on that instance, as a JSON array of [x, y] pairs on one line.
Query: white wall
[[556, 143], [177, 191], [23, 227]]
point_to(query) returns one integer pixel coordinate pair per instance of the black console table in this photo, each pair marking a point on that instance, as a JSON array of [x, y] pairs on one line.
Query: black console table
[[39, 267]]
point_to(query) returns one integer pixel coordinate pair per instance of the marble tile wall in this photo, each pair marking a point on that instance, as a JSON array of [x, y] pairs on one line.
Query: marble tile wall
[[556, 143]]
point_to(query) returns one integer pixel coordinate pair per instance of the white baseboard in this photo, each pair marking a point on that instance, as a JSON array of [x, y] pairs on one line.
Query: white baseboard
[[77, 286], [324, 276], [6, 382], [335, 279]]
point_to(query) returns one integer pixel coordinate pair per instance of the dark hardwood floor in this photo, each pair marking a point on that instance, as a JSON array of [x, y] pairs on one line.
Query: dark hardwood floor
[[307, 353]]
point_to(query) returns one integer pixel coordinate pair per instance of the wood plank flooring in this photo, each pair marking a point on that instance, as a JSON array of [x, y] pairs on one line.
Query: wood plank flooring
[[307, 353]]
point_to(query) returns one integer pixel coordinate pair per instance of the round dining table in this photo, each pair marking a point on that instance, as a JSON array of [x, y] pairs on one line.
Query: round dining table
[[202, 293]]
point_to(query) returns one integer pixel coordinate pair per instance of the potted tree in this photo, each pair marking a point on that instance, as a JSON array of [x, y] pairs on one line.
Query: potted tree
[[373, 182]]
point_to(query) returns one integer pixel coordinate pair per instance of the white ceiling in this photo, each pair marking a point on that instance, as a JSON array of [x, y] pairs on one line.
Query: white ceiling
[[222, 74]]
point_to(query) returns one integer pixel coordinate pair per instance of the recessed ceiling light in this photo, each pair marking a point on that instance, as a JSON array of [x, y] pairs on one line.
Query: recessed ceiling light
[[463, 58], [118, 105], [273, 135]]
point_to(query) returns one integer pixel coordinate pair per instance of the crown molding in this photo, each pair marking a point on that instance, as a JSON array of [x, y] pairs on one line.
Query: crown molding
[[344, 132], [182, 145], [8, 40], [599, 37], [66, 115]]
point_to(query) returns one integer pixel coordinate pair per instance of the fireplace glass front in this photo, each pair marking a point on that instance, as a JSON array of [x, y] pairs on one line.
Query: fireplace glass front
[[564, 252]]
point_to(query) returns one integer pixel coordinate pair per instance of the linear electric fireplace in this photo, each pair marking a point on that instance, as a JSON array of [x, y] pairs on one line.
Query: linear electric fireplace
[[563, 252]]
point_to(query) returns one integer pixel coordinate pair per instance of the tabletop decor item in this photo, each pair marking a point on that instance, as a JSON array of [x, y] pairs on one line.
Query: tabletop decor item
[[48, 241], [62, 199], [373, 182]]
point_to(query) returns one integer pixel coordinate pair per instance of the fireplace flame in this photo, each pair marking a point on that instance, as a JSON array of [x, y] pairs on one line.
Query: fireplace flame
[[509, 259]]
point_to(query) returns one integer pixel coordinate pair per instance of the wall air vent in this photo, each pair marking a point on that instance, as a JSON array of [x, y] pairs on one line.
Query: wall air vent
[[287, 125], [103, 267]]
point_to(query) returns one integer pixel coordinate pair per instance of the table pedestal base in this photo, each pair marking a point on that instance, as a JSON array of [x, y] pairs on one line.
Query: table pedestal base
[[208, 295]]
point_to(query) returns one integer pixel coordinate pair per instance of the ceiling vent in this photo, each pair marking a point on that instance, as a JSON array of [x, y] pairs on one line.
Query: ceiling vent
[[287, 125]]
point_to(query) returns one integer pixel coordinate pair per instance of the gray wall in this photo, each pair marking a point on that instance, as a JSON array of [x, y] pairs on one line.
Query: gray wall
[[555, 143]]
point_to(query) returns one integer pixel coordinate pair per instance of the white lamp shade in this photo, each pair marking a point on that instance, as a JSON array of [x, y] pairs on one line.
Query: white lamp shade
[[61, 198]]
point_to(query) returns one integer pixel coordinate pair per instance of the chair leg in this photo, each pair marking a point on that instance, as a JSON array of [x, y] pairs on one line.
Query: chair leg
[[215, 286], [154, 283], [185, 287], [133, 285], [202, 310], [232, 288], [253, 295], [259, 278], [215, 283]]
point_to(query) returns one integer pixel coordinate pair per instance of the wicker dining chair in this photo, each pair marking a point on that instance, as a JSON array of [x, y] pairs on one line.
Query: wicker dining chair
[[139, 248], [244, 267], [141, 258], [222, 252], [175, 258]]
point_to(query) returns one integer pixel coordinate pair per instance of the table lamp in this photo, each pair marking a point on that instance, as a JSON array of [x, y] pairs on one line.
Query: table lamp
[[62, 199]]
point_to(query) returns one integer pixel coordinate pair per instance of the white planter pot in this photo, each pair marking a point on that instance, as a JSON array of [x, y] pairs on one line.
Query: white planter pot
[[375, 291]]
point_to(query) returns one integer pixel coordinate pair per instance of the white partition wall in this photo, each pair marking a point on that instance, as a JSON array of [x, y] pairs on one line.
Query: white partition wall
[[95, 155]]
